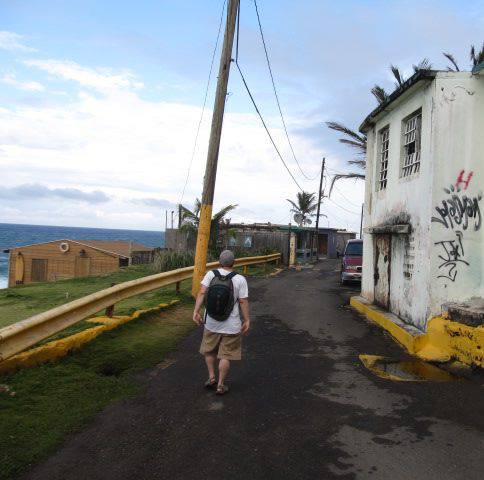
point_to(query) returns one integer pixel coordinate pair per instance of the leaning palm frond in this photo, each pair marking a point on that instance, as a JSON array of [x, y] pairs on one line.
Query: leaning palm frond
[[341, 176], [360, 163], [422, 65], [219, 216], [450, 57], [380, 94], [398, 76], [357, 140], [477, 57]]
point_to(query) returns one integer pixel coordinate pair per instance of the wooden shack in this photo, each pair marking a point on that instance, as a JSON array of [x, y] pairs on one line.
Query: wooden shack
[[60, 259]]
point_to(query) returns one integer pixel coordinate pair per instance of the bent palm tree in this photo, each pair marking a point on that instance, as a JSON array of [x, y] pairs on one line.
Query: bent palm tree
[[304, 207]]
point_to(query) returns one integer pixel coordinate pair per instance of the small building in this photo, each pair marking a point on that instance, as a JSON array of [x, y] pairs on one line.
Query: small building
[[257, 237], [423, 227], [60, 259]]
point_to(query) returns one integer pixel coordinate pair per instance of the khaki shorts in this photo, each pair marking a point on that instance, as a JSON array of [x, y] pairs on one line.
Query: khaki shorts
[[226, 346]]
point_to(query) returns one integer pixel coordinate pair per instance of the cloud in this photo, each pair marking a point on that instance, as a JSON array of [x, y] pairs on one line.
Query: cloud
[[102, 79], [34, 191], [12, 42], [153, 202], [10, 79]]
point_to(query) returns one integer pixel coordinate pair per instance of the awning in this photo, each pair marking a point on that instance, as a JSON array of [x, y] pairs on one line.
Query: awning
[[391, 229]]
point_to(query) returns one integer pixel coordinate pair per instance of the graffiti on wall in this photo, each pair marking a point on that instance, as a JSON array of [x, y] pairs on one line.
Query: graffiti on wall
[[457, 212]]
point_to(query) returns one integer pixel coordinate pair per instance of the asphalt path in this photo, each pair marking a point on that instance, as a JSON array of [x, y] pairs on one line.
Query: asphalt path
[[301, 406]]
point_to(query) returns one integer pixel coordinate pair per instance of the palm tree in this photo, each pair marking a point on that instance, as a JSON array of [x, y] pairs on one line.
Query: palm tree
[[477, 57], [304, 207], [191, 219], [380, 94], [356, 141]]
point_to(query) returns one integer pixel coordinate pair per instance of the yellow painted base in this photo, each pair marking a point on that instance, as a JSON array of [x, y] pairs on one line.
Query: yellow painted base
[[203, 238], [60, 348], [444, 340]]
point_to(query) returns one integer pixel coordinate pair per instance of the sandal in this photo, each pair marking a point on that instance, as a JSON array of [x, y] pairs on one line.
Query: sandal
[[211, 383], [222, 390]]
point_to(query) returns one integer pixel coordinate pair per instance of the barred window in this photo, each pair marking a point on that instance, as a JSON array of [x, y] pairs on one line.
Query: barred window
[[411, 144], [383, 156]]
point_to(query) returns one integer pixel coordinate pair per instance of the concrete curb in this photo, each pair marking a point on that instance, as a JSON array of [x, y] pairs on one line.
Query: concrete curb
[[443, 341], [60, 348]]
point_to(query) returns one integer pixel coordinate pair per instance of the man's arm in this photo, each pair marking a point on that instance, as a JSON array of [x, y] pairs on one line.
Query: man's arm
[[197, 318], [244, 308]]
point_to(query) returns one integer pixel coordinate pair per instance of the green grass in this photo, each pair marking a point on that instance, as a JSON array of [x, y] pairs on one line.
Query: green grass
[[54, 400], [24, 301]]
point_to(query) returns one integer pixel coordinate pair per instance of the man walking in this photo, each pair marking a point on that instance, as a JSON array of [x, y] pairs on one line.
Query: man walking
[[224, 291]]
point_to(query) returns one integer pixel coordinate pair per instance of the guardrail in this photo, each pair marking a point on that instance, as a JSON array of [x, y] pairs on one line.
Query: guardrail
[[21, 335]]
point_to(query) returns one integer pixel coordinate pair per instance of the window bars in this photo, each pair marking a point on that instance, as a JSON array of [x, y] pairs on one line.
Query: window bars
[[383, 153], [411, 144]]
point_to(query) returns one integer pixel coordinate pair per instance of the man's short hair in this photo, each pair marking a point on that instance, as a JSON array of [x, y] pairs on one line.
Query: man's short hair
[[227, 258]]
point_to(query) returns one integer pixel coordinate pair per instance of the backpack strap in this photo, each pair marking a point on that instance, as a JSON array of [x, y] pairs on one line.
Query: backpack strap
[[231, 275], [217, 273]]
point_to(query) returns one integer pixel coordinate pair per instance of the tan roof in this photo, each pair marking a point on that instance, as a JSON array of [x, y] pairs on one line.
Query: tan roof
[[121, 247], [114, 247]]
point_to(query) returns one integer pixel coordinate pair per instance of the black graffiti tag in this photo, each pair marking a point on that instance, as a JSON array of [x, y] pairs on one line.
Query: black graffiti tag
[[452, 255], [458, 211]]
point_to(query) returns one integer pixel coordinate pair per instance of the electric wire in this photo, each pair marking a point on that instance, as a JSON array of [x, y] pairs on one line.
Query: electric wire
[[341, 194], [275, 92], [343, 208], [265, 126], [204, 102]]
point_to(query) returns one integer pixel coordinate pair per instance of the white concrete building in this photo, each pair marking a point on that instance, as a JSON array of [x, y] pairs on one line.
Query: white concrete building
[[423, 226]]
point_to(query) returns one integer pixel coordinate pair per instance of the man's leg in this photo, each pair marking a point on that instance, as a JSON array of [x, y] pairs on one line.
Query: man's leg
[[223, 370], [210, 359]]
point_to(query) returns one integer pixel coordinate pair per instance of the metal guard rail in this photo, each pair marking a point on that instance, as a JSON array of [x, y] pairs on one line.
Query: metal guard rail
[[21, 335]]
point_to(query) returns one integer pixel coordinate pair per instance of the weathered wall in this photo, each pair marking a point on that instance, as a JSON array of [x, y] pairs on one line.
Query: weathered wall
[[405, 200], [442, 202], [62, 265], [457, 230]]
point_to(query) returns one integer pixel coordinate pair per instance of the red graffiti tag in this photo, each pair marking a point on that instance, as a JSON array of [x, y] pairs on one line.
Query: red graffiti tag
[[461, 181]]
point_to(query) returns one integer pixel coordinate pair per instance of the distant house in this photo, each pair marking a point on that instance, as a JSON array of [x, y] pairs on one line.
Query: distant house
[[293, 242], [424, 241], [59, 259]]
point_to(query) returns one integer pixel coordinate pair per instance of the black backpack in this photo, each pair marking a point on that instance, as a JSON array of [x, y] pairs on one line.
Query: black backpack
[[220, 296]]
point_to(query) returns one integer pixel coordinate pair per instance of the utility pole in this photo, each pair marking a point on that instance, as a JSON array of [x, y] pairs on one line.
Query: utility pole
[[172, 213], [213, 148], [179, 215], [319, 209], [361, 220], [166, 220]]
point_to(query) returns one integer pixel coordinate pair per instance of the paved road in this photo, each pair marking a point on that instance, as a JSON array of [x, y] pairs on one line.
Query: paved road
[[301, 406]]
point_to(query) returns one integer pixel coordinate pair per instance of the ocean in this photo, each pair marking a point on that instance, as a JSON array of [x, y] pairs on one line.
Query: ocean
[[14, 235]]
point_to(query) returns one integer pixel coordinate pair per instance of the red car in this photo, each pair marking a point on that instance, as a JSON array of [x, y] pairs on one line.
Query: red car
[[352, 261]]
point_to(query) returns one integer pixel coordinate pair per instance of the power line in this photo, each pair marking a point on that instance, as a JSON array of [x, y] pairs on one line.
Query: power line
[[343, 208], [204, 101], [275, 93], [265, 126], [351, 203]]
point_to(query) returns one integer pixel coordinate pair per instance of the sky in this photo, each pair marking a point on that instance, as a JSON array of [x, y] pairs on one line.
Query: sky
[[100, 102]]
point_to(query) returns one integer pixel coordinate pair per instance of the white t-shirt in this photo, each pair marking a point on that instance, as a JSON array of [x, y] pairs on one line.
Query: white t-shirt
[[241, 290]]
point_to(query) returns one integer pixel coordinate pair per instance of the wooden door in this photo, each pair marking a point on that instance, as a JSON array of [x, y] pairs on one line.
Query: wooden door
[[83, 266], [382, 270], [323, 244], [39, 270]]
